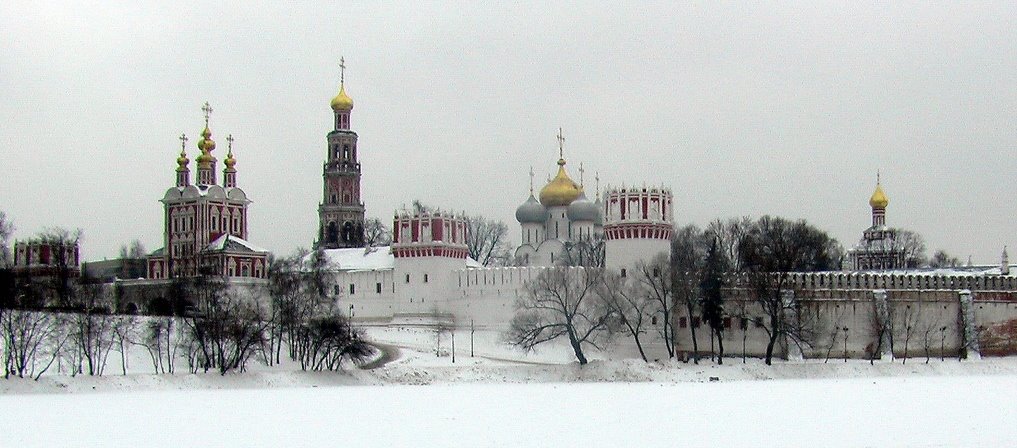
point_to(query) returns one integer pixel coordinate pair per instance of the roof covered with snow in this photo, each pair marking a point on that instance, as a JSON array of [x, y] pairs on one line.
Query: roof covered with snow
[[231, 243], [370, 259]]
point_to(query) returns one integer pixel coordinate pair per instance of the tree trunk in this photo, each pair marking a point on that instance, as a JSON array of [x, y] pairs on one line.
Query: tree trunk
[[720, 347], [577, 347], [769, 348]]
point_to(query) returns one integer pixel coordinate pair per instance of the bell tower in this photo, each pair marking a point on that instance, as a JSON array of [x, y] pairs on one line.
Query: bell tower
[[341, 213]]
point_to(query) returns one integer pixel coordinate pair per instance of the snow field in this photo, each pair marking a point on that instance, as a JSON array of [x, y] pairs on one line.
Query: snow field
[[899, 412]]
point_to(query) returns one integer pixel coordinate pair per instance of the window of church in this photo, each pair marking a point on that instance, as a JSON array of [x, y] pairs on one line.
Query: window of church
[[377, 288], [336, 291], [425, 278], [407, 278], [353, 289], [623, 272]]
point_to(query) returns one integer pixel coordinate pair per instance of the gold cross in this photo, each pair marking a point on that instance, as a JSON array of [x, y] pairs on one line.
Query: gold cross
[[229, 143], [342, 70], [183, 142], [561, 144], [597, 177], [581, 171], [531, 180], [208, 111]]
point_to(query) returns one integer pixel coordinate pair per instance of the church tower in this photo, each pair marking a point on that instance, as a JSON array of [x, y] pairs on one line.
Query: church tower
[[341, 213]]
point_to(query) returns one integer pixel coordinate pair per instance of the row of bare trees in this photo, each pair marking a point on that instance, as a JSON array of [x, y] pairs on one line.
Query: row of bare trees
[[590, 305]]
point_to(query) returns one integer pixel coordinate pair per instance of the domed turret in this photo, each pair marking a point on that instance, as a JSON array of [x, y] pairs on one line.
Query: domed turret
[[879, 199], [342, 101], [561, 191], [205, 145], [582, 209], [531, 212]]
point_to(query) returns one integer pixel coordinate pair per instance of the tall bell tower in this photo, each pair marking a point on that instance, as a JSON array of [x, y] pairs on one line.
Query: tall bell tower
[[341, 213]]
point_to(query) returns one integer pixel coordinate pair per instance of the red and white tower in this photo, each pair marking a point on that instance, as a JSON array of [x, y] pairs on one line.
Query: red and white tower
[[638, 224], [341, 213]]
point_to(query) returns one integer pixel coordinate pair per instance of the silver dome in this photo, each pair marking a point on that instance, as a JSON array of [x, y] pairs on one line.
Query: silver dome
[[531, 212], [582, 209]]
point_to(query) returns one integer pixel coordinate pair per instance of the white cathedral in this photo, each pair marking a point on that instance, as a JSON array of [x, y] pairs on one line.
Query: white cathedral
[[426, 273]]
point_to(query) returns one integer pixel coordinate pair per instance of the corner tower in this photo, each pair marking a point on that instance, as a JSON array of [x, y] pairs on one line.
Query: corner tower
[[341, 213]]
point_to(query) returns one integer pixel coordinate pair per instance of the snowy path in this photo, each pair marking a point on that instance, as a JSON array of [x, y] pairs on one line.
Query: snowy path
[[899, 412]]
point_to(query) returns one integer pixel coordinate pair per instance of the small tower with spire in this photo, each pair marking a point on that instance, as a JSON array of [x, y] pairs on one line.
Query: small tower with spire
[[183, 172], [878, 248], [1004, 265], [229, 173], [206, 161], [878, 202]]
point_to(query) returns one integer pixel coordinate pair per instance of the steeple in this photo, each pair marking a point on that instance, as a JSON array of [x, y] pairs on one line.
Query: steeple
[[206, 162], [183, 172], [342, 104], [878, 201], [229, 173], [341, 213]]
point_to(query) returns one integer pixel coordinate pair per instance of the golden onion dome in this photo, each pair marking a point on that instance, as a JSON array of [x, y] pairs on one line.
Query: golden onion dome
[[561, 191], [182, 161], [342, 101], [879, 199], [206, 144], [230, 161]]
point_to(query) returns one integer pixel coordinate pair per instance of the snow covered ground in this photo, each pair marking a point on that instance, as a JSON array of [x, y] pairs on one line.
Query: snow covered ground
[[899, 412], [503, 397]]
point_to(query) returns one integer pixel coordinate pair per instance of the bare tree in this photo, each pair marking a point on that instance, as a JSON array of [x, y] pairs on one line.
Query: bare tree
[[33, 340], [561, 302], [688, 253], [376, 233], [487, 241], [125, 335], [586, 251], [629, 303], [773, 249], [728, 234], [91, 330], [323, 342], [135, 250], [655, 278], [913, 245], [908, 326], [6, 230], [941, 259]]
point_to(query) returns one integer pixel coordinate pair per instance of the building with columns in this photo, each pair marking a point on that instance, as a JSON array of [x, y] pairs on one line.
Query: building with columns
[[205, 223]]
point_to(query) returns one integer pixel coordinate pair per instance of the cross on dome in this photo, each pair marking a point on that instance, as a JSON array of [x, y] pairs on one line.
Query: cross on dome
[[561, 144], [208, 111], [531, 180], [342, 70], [183, 142]]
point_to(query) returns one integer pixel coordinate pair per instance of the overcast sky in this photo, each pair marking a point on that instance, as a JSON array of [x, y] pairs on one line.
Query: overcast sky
[[741, 109]]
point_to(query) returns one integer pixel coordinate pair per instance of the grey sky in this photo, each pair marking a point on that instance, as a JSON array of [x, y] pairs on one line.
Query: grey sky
[[742, 109]]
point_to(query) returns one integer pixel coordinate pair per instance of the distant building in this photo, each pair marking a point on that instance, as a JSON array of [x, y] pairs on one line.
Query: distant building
[[878, 248], [45, 257], [108, 271]]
